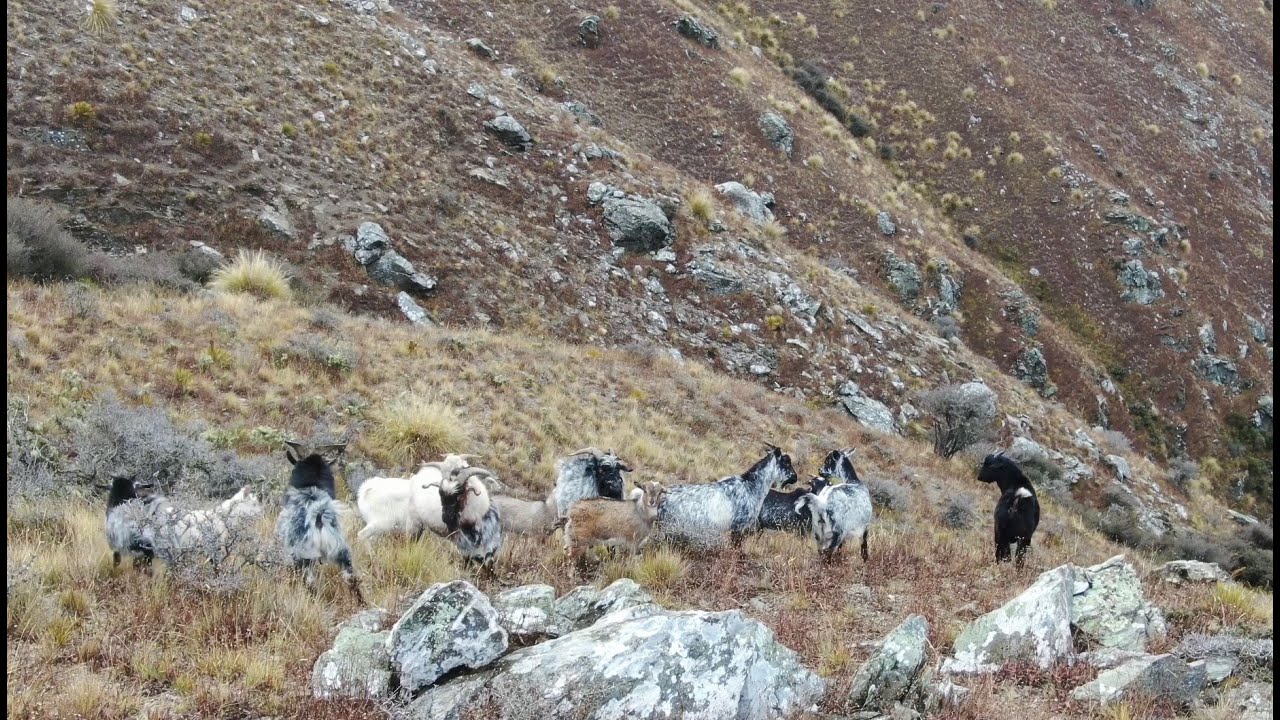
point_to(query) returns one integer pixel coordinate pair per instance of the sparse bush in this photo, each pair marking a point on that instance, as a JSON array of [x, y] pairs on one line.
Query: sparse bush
[[1114, 442], [958, 512], [414, 429], [197, 266], [38, 247], [162, 269], [962, 416], [1182, 473], [888, 495], [254, 274], [31, 459], [1260, 536], [318, 352], [946, 327], [114, 438], [1045, 475]]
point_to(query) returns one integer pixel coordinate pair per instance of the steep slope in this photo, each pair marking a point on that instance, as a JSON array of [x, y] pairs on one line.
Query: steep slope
[[980, 132]]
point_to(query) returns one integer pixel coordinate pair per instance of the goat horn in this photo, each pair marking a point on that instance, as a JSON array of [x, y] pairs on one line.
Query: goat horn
[[464, 473], [771, 446], [594, 451]]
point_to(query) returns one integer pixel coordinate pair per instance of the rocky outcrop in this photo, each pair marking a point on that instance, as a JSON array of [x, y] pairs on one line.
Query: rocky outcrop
[[1152, 676], [638, 666], [584, 605], [412, 310], [1217, 370], [694, 29], [778, 132], [510, 132], [357, 666], [528, 613], [885, 222], [1140, 285], [1031, 368], [1034, 627], [904, 277], [637, 224], [581, 112], [1108, 607], [451, 625], [887, 677], [755, 206], [1178, 572], [865, 409]]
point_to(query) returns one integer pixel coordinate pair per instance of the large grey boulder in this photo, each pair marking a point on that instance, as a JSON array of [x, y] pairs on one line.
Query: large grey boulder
[[1034, 627], [889, 674], [528, 613], [1109, 608], [510, 132], [451, 625], [584, 605], [717, 280], [865, 409], [1178, 572], [749, 203], [637, 224], [1155, 676], [357, 666], [690, 664], [778, 132]]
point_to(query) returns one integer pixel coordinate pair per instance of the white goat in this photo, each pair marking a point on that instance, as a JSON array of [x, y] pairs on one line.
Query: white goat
[[212, 528], [408, 505]]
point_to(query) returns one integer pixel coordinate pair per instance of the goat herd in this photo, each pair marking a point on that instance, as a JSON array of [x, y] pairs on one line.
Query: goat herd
[[468, 506]]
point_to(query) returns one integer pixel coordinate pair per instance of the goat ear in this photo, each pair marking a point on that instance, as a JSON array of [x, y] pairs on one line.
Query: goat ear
[[624, 467], [293, 451], [804, 501], [637, 495]]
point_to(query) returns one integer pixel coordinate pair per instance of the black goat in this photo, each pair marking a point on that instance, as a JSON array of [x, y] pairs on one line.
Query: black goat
[[1017, 513]]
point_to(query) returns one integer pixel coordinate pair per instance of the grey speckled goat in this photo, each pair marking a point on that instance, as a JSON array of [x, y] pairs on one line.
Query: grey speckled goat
[[308, 525], [702, 514], [840, 510]]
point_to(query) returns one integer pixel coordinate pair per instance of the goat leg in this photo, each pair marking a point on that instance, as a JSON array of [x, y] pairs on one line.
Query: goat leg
[[865, 556]]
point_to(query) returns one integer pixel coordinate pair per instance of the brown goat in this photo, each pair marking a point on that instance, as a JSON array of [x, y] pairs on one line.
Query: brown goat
[[601, 521]]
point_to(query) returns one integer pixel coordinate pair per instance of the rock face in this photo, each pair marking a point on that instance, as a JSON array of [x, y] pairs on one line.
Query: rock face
[[1161, 676], [528, 613], [358, 665], [778, 132], [865, 409], [451, 625], [636, 224], [1031, 368], [754, 205], [510, 132], [1177, 572], [888, 675], [1109, 608], [1033, 627], [584, 605], [689, 664], [581, 112], [1140, 285]]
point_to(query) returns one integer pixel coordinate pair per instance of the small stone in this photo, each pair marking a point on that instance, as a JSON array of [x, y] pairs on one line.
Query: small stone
[[477, 46]]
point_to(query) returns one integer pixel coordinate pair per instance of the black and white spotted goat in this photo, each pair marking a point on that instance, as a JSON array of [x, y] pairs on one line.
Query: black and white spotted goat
[[701, 514], [308, 525], [1017, 512], [587, 473], [840, 510], [473, 522]]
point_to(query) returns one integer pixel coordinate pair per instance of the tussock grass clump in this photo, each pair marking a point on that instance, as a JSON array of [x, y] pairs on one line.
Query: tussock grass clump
[[99, 16], [702, 206], [413, 429], [740, 76], [253, 273], [660, 569]]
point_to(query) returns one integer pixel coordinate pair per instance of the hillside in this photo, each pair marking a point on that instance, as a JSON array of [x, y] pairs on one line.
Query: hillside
[[678, 230], [1080, 192], [118, 642]]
